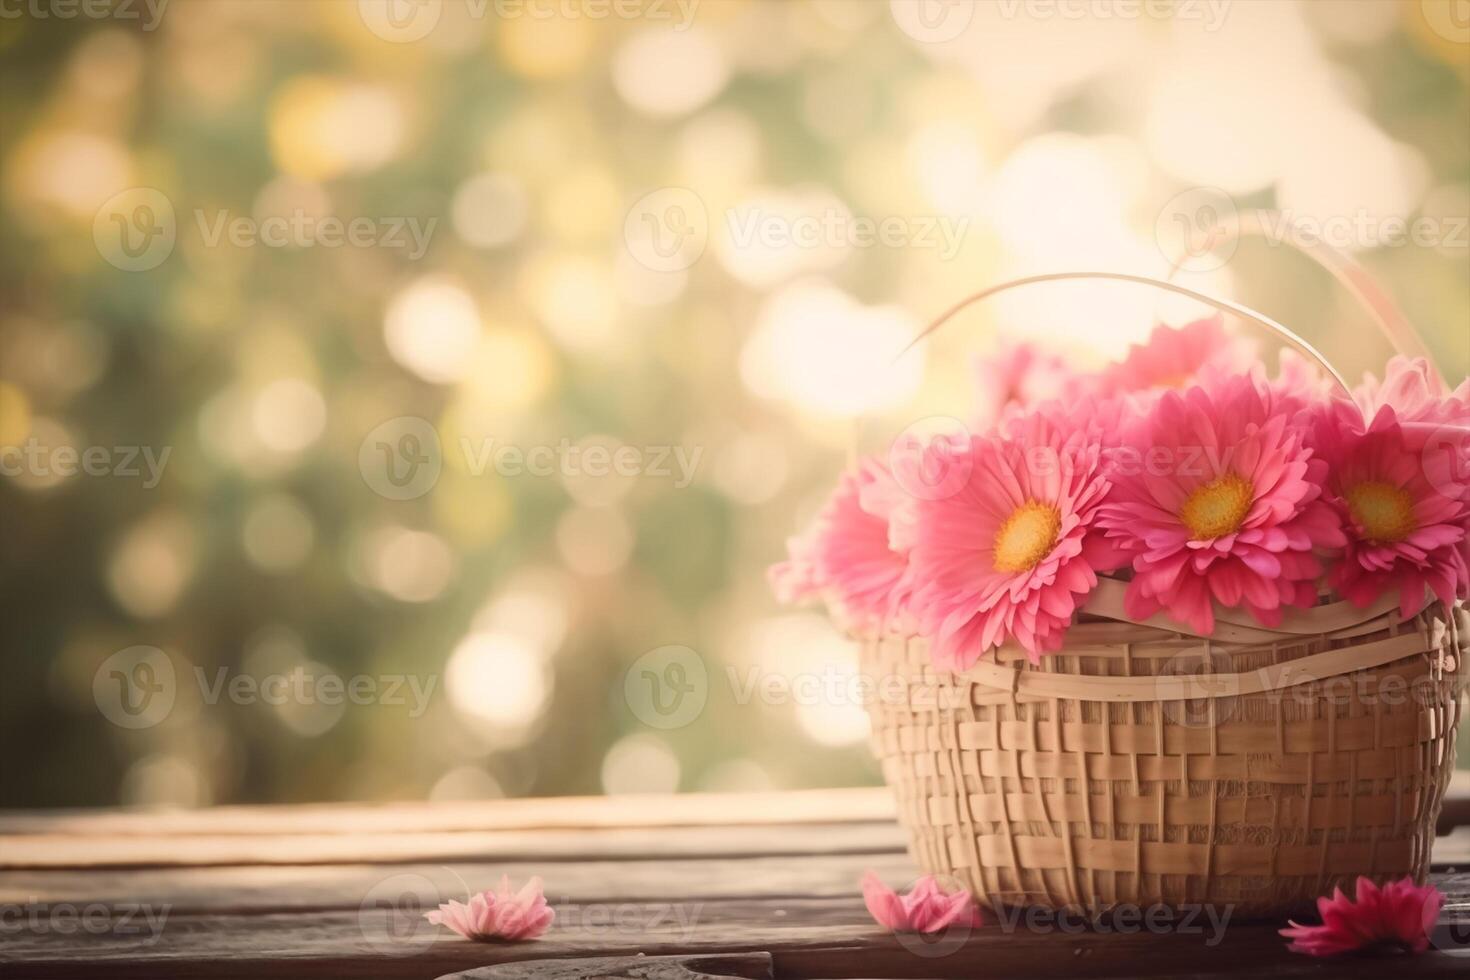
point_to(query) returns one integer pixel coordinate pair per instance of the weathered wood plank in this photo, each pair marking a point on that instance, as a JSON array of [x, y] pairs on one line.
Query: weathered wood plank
[[830, 806], [720, 966], [826, 806], [238, 889], [303, 888], [806, 937], [63, 851]]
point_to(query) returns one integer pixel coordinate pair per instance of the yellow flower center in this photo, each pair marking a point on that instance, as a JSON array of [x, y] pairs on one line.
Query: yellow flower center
[[1027, 537], [1384, 511], [1217, 508]]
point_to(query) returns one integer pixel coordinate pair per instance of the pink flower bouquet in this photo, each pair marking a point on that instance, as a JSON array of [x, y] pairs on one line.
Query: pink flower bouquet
[[1182, 630], [1185, 472]]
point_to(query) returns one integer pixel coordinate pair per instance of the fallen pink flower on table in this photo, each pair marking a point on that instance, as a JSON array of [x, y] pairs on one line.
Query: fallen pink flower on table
[[924, 909], [507, 915], [1398, 914]]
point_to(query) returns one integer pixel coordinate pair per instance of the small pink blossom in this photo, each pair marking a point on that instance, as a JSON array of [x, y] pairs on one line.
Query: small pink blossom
[[925, 909], [1405, 532], [795, 579], [506, 915], [1398, 914], [1018, 377], [1416, 394], [1177, 357], [856, 552]]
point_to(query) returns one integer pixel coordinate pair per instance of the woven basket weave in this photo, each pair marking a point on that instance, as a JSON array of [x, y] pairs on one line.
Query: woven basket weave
[[1257, 768]]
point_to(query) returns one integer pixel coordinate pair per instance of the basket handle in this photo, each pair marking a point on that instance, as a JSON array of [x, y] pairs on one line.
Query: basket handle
[[1380, 307], [1350, 274], [1223, 305]]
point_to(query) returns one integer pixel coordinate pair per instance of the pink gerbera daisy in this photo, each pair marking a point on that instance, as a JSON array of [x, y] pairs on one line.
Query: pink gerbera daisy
[[1435, 421], [1011, 553], [1176, 357], [1399, 914], [1415, 392], [1018, 377], [1216, 498], [856, 551], [1404, 533]]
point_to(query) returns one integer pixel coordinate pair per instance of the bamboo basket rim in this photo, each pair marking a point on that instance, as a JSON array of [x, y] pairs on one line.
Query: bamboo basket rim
[[1024, 681]]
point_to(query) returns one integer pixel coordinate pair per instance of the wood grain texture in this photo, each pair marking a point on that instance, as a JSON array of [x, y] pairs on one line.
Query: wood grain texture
[[864, 804], [345, 886], [806, 938], [723, 966], [163, 850], [247, 892]]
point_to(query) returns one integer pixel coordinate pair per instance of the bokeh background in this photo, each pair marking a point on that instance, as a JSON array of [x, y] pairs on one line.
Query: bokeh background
[[699, 228]]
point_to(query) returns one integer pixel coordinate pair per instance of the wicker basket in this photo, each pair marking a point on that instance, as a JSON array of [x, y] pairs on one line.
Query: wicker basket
[[1256, 769]]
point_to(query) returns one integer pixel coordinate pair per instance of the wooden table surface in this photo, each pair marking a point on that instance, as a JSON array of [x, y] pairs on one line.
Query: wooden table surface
[[769, 882]]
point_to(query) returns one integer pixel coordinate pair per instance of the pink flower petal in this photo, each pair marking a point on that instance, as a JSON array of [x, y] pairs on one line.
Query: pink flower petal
[[1397, 914]]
